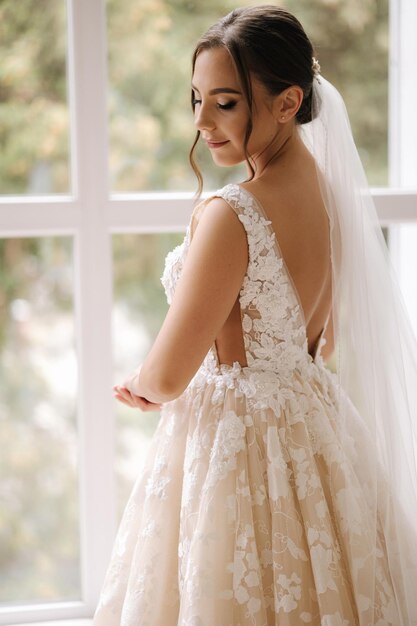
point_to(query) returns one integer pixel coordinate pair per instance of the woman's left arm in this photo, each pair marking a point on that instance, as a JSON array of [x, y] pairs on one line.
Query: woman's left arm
[[205, 293]]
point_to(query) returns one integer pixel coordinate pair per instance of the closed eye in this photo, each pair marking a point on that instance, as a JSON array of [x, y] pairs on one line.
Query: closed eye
[[228, 105], [225, 107]]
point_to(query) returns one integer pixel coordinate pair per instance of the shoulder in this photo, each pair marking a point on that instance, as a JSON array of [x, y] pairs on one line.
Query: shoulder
[[219, 211], [217, 232]]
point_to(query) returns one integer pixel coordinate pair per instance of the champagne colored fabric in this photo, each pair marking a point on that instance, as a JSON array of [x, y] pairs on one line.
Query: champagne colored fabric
[[263, 500]]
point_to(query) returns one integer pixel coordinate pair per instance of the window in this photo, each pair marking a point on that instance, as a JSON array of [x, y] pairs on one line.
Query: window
[[96, 188]]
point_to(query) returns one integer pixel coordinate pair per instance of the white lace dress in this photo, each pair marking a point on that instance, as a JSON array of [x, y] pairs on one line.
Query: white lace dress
[[239, 517]]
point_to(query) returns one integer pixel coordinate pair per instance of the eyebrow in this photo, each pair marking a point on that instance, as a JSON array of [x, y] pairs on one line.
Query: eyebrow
[[213, 92]]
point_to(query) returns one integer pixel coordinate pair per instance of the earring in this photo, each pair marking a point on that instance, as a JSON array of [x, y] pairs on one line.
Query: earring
[[283, 117]]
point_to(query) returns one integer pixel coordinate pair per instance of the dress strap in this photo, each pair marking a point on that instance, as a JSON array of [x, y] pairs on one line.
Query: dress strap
[[254, 221], [240, 201], [243, 205]]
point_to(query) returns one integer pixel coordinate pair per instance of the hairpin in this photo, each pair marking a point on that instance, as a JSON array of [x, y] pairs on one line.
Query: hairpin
[[316, 68]]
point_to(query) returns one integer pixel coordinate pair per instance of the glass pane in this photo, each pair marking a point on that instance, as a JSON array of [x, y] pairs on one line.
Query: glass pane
[[151, 123], [39, 517], [33, 97], [139, 309]]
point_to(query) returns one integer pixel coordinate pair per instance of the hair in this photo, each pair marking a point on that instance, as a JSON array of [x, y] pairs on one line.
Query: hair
[[270, 43]]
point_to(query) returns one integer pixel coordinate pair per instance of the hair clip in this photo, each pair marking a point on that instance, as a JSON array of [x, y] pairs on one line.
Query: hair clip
[[316, 68]]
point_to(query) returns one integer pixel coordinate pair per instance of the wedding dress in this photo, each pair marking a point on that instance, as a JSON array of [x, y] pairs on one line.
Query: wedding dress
[[253, 508]]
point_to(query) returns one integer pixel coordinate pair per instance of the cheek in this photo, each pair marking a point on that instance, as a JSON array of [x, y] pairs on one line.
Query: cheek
[[237, 125], [263, 132]]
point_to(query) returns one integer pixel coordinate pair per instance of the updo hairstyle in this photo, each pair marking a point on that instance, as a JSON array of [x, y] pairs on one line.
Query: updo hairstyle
[[270, 43]]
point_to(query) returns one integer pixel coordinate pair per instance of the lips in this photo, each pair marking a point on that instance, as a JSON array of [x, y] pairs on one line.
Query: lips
[[216, 144]]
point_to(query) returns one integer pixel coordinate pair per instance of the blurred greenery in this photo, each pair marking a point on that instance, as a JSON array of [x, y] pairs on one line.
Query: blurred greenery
[[150, 120], [39, 520], [150, 46], [33, 97], [151, 130]]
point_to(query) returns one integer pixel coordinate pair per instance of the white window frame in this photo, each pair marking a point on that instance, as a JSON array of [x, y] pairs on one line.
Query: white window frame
[[91, 214]]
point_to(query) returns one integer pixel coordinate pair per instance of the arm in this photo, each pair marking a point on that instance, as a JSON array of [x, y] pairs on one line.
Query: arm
[[209, 284]]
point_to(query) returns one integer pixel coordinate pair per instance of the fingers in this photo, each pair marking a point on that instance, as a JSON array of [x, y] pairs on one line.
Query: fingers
[[124, 395], [121, 399]]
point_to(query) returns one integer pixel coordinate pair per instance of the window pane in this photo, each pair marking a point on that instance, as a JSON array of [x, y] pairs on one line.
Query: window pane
[[39, 517], [139, 309], [151, 124], [33, 97]]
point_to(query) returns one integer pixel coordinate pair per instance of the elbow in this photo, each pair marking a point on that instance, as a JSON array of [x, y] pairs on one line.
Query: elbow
[[171, 388], [167, 392], [159, 388]]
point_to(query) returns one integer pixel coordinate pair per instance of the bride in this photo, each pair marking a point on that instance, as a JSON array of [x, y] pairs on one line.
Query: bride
[[275, 491]]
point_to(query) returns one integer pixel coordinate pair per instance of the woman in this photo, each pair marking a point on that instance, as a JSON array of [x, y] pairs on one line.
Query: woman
[[267, 497]]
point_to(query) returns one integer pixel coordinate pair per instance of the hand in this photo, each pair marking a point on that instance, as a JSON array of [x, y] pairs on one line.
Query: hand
[[126, 393], [127, 397]]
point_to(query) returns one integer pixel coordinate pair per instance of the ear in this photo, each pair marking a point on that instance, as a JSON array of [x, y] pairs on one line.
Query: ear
[[287, 103]]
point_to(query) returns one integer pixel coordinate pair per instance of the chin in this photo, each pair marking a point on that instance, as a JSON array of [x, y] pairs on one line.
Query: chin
[[226, 161]]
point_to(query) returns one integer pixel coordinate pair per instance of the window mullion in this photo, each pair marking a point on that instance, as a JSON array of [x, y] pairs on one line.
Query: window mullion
[[88, 93]]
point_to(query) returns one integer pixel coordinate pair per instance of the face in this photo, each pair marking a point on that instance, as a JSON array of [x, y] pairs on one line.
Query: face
[[221, 113]]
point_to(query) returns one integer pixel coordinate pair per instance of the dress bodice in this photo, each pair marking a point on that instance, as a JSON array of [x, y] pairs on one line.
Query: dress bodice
[[273, 324]]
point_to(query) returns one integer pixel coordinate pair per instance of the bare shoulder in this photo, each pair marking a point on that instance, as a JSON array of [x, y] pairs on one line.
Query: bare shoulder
[[216, 214]]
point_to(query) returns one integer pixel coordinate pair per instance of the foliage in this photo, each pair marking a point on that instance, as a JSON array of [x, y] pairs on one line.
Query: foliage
[[33, 94]]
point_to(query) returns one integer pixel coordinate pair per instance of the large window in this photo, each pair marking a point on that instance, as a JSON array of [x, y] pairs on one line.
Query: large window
[[95, 189]]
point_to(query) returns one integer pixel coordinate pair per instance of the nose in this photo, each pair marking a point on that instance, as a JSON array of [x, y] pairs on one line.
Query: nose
[[202, 118]]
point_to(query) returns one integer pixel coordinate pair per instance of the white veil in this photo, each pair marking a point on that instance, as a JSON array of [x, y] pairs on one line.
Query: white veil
[[376, 355]]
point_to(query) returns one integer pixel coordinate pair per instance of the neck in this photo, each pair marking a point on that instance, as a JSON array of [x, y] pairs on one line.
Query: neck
[[282, 147]]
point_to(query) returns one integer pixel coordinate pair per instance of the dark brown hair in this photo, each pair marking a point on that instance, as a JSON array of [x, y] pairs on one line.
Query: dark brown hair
[[270, 43]]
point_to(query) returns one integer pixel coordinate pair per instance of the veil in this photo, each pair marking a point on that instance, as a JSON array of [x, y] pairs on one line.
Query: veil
[[376, 356]]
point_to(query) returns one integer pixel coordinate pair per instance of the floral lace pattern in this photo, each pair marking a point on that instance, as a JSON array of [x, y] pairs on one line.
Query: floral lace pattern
[[252, 507], [272, 323], [173, 266]]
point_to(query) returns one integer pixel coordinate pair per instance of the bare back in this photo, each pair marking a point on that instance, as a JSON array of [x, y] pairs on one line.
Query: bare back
[[293, 203]]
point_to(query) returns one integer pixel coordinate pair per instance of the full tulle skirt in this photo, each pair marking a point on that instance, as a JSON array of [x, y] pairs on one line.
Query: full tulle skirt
[[252, 510]]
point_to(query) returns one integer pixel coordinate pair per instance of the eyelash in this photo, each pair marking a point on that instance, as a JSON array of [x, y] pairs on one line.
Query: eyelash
[[224, 107]]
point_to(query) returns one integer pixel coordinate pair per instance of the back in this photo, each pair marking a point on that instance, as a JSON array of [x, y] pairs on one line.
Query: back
[[300, 222], [292, 202], [266, 327]]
